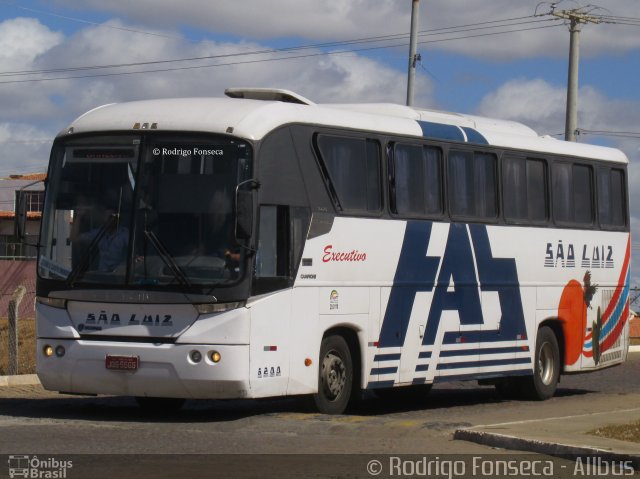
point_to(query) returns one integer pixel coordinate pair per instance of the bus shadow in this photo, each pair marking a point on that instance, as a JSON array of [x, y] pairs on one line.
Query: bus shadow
[[446, 398], [125, 409]]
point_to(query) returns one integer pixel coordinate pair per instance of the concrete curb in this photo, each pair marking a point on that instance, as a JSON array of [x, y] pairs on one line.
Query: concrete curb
[[567, 451], [634, 349], [20, 380]]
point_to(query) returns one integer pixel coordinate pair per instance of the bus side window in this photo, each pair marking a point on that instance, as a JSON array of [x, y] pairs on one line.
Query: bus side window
[[524, 189], [352, 168], [612, 209], [472, 184], [417, 180], [572, 193]]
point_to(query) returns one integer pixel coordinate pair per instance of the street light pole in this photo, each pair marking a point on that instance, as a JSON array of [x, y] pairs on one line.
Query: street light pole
[[412, 52], [571, 121]]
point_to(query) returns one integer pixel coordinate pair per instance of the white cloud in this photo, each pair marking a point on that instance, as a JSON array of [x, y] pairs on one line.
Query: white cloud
[[25, 148], [23, 43], [533, 102], [324, 78], [541, 105], [22, 40], [348, 19], [259, 19], [43, 108]]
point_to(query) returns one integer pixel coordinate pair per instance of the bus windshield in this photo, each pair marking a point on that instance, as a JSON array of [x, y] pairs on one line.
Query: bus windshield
[[144, 211]]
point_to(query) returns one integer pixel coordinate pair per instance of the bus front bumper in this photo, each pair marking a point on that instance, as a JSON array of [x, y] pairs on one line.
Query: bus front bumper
[[164, 370]]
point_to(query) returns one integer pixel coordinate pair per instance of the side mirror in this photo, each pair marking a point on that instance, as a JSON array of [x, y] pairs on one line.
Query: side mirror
[[245, 211], [244, 214]]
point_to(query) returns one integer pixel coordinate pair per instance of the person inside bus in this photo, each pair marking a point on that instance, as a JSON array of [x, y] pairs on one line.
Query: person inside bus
[[112, 244]]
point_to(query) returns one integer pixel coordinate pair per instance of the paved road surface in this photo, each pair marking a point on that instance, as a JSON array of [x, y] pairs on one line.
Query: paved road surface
[[33, 421]]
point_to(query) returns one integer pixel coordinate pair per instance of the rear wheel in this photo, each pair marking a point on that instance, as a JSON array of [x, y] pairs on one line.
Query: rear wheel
[[542, 385], [335, 376]]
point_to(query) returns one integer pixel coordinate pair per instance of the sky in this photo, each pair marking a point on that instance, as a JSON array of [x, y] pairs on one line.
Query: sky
[[499, 58]]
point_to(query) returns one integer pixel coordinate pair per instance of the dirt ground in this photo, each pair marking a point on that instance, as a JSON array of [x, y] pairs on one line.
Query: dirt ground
[[26, 346], [626, 432]]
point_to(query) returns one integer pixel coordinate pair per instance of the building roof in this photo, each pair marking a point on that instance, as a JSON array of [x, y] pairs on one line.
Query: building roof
[[31, 215], [8, 188], [30, 177]]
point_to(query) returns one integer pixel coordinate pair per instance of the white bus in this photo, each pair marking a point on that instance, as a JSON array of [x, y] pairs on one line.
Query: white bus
[[262, 245]]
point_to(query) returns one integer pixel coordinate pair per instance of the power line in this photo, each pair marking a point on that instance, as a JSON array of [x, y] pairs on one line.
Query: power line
[[618, 134], [619, 20], [292, 57], [88, 22], [425, 33], [156, 34]]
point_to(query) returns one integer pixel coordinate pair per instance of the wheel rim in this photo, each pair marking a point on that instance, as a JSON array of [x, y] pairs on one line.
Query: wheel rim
[[333, 376], [546, 366]]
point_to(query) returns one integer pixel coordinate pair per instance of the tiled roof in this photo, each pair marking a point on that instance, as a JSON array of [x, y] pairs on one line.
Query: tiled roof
[[29, 176], [31, 215]]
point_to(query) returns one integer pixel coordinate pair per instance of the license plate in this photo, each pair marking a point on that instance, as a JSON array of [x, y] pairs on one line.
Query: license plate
[[122, 363]]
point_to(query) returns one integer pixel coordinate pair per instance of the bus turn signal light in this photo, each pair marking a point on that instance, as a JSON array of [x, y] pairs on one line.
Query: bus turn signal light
[[307, 362], [215, 356]]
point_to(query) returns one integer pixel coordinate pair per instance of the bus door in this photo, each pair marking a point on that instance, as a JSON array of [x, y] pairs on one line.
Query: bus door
[[497, 328], [417, 361], [387, 343]]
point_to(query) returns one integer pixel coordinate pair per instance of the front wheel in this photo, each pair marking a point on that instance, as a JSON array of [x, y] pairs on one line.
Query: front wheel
[[542, 385], [335, 376]]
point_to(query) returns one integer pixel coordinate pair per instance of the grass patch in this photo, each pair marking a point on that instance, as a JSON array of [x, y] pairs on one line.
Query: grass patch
[[26, 346], [623, 432]]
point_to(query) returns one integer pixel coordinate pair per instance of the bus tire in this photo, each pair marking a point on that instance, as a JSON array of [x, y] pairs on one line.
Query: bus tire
[[546, 373], [335, 376]]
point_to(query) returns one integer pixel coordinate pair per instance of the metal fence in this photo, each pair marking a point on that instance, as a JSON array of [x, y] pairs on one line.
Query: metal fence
[[17, 251], [17, 324]]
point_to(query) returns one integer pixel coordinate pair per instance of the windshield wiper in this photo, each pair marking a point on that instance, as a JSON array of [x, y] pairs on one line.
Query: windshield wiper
[[85, 259], [167, 258]]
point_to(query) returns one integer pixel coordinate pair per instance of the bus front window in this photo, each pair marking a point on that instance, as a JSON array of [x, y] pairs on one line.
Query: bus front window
[[184, 220], [144, 212], [86, 230]]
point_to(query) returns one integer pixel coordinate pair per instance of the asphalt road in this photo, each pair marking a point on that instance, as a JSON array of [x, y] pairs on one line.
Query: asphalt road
[[33, 421]]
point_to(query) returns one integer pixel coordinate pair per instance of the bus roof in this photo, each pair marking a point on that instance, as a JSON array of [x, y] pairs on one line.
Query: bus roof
[[253, 113]]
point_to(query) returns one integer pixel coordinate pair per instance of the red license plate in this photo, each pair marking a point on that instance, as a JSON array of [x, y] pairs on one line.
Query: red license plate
[[122, 363]]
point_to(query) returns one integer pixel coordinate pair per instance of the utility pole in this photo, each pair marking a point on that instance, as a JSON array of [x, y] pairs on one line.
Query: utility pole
[[413, 56], [576, 19]]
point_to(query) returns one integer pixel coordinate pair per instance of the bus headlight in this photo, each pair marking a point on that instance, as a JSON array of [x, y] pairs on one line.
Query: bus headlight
[[60, 351], [195, 356], [53, 302], [210, 308]]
